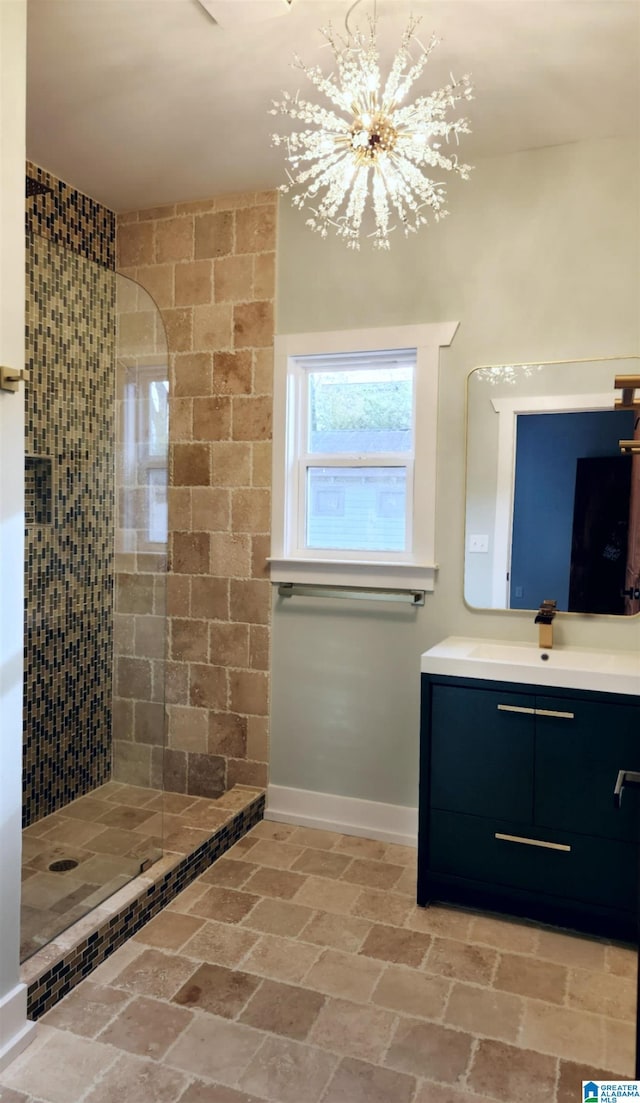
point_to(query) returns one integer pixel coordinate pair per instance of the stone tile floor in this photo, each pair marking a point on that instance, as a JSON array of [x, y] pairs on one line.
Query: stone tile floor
[[111, 834], [298, 969]]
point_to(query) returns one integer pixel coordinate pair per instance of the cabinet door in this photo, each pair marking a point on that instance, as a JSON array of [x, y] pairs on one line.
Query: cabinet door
[[580, 746], [482, 752]]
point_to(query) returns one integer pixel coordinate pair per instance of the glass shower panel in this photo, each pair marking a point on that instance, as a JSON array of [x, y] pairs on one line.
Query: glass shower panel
[[141, 476], [95, 516]]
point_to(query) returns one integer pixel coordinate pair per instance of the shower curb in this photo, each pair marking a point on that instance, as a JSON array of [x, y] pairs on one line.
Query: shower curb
[[74, 964]]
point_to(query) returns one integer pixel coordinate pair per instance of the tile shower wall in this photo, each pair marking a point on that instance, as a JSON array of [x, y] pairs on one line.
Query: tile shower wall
[[69, 537], [210, 267]]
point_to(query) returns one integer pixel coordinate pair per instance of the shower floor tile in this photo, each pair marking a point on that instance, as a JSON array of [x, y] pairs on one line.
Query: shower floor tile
[[109, 835]]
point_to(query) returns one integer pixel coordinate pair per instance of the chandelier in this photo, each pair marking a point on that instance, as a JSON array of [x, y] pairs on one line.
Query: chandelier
[[367, 167]]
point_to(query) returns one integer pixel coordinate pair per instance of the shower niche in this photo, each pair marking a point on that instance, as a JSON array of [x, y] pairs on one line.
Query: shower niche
[[37, 490]]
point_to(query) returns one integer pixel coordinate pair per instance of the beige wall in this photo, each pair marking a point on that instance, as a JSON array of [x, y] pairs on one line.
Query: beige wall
[[539, 260], [210, 266]]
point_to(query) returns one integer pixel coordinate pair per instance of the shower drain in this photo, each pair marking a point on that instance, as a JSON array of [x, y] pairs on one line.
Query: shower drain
[[63, 865]]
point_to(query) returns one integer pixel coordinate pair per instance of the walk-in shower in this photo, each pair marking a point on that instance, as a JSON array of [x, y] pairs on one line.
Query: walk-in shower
[[95, 580]]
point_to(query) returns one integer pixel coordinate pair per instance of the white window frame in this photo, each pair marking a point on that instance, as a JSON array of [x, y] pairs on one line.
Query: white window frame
[[414, 568]]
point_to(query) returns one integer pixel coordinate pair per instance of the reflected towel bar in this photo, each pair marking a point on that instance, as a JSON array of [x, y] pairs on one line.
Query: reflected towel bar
[[307, 589]]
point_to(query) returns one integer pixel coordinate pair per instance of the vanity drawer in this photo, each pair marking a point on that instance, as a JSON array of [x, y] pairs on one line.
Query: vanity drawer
[[578, 867]]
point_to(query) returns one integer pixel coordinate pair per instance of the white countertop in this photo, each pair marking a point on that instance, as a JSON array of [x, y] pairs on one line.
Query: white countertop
[[561, 667]]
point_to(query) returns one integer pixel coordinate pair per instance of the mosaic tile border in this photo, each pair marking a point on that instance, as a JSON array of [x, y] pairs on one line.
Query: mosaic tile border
[[58, 979], [69, 217]]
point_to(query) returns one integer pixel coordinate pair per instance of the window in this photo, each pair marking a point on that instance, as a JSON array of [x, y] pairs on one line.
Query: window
[[145, 428], [354, 456]]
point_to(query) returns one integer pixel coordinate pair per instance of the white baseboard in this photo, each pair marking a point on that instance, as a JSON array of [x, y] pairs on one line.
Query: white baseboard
[[16, 1031], [391, 823]]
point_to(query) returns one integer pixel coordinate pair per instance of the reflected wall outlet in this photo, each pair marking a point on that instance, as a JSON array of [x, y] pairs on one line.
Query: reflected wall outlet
[[479, 543]]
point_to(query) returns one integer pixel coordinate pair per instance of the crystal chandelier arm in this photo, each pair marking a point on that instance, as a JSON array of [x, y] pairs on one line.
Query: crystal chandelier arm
[[392, 92]]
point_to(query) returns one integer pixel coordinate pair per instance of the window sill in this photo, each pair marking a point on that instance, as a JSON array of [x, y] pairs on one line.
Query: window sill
[[362, 572]]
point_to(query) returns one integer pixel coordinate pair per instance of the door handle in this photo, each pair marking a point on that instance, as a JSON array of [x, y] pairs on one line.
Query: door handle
[[516, 708], [625, 777]]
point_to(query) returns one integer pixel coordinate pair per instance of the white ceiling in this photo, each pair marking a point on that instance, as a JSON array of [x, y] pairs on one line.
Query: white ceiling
[[145, 102]]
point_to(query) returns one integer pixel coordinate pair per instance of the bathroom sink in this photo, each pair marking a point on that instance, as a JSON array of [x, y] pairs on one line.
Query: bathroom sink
[[569, 667]]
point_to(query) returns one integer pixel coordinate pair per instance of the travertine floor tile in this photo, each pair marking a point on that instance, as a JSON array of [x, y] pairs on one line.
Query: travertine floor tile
[[281, 883], [622, 961], [217, 989], [341, 932], [229, 872], [353, 1029], [169, 930], [575, 1035], [528, 976], [450, 922], [224, 905], [311, 836], [570, 949], [215, 1049], [358, 847], [452, 958], [60, 1069], [280, 958], [604, 994], [504, 934], [395, 944], [87, 1009], [383, 907], [430, 1050], [358, 1082], [133, 1078], [201, 1092], [372, 874], [222, 943], [619, 1047], [412, 993], [330, 896], [340, 974], [288, 1071], [509, 1074], [268, 852], [571, 1076], [275, 978], [438, 1093], [484, 1011], [282, 832], [146, 1027], [154, 973], [322, 863], [280, 917], [283, 1009]]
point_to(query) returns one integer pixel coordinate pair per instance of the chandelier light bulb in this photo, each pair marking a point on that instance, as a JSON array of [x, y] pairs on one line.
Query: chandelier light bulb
[[372, 158]]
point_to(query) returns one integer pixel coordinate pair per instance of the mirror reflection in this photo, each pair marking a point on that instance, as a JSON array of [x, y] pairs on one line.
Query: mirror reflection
[[552, 504]]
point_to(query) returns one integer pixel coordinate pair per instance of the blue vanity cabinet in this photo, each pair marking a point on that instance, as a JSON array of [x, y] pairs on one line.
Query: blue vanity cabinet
[[516, 802]]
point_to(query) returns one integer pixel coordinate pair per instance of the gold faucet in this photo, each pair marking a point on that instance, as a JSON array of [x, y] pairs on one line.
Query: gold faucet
[[544, 619]]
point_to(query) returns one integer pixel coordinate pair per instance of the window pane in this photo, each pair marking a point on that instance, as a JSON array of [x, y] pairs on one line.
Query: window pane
[[356, 508], [158, 417], [157, 503], [362, 410]]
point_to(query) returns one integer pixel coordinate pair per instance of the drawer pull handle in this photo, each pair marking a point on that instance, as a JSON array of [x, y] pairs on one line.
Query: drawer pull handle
[[531, 842], [516, 708], [558, 715]]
